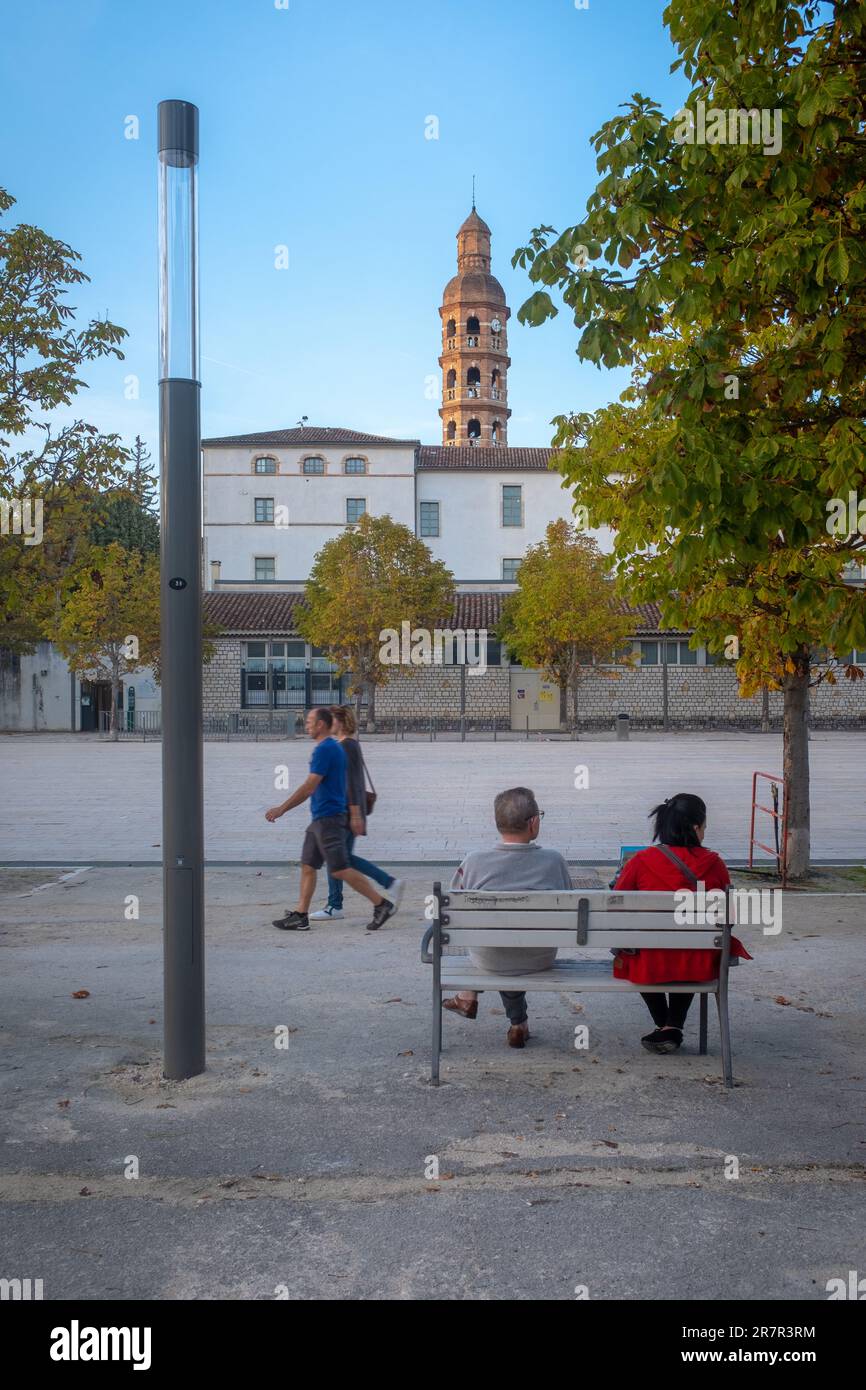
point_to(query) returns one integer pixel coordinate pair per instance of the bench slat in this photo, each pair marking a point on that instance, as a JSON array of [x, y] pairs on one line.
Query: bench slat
[[576, 976], [675, 938], [600, 900], [515, 920]]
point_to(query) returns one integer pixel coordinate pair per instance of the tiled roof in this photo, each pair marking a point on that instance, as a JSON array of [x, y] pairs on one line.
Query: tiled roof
[[309, 434], [273, 613], [251, 612], [459, 456]]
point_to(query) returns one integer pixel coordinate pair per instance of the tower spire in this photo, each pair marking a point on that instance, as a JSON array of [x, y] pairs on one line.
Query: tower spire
[[474, 358]]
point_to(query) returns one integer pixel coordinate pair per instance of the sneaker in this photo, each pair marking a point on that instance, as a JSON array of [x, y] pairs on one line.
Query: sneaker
[[381, 913], [396, 891], [326, 913], [293, 921]]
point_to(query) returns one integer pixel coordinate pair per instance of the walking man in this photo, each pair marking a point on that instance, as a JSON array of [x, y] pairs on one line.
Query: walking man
[[325, 840]]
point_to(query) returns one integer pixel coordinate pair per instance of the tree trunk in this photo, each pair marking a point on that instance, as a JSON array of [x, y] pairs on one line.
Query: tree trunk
[[563, 706], [371, 707], [795, 768], [575, 731], [765, 709]]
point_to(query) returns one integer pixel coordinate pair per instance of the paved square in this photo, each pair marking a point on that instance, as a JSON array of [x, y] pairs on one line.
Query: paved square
[[73, 800]]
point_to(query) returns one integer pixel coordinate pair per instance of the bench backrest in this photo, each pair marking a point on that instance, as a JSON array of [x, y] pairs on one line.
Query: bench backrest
[[596, 918]]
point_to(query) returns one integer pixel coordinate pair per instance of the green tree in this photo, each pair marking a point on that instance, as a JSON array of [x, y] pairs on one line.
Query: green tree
[[729, 275], [563, 616], [110, 620], [372, 578], [42, 352], [130, 514]]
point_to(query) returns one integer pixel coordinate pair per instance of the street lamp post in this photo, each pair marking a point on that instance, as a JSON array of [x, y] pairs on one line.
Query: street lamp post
[[180, 593]]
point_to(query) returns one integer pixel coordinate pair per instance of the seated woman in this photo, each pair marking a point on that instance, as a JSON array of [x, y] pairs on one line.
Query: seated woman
[[678, 861]]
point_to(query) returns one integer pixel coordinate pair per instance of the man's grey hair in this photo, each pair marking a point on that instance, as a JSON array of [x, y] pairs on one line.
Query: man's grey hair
[[514, 810]]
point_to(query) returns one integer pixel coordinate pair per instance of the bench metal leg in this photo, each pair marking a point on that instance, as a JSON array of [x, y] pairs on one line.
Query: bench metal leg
[[437, 996], [702, 1031], [725, 1030]]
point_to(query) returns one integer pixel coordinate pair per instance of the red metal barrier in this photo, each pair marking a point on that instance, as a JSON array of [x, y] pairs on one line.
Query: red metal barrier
[[781, 849]]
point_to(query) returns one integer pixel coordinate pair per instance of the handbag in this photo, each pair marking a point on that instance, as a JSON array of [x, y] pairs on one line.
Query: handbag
[[369, 792]]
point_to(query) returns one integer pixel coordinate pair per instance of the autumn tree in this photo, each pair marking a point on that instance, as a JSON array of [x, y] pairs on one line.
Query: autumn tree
[[130, 513], [371, 579], [564, 617], [723, 258], [110, 617], [68, 469]]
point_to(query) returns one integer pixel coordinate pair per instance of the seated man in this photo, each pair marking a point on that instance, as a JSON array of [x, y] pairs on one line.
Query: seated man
[[514, 865]]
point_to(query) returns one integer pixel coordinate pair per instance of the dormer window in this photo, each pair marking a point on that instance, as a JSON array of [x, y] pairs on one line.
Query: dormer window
[[264, 465], [314, 464], [355, 465]]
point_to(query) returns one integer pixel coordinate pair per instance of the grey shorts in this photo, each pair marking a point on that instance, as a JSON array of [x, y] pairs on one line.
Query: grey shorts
[[325, 843]]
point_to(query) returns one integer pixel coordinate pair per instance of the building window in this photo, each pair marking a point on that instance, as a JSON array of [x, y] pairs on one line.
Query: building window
[[473, 432], [495, 432], [451, 432], [473, 382], [429, 518], [509, 571], [264, 509], [512, 505], [355, 466], [355, 509], [450, 328], [473, 329], [451, 385], [314, 465], [273, 675], [676, 653], [266, 568], [265, 465]]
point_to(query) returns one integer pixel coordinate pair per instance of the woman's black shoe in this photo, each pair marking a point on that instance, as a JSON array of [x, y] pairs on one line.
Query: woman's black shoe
[[650, 1040], [669, 1039]]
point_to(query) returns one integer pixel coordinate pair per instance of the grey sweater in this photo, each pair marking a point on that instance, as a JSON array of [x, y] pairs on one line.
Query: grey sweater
[[356, 788], [513, 869]]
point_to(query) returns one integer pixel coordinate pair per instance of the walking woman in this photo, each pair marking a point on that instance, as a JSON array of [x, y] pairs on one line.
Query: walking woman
[[678, 861], [345, 726]]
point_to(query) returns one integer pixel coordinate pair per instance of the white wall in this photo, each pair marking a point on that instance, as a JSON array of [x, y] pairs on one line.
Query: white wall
[[472, 541], [316, 503], [36, 695]]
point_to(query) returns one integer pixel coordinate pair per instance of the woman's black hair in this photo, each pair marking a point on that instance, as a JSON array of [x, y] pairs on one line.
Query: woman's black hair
[[676, 818]]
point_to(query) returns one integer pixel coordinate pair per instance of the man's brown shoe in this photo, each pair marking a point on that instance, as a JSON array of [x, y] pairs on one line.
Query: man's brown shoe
[[517, 1034], [467, 1007]]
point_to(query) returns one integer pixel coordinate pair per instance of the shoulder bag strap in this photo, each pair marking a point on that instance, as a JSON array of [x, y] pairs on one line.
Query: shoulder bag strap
[[675, 859]]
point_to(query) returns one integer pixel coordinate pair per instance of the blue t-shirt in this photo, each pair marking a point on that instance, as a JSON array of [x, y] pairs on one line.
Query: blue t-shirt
[[329, 763]]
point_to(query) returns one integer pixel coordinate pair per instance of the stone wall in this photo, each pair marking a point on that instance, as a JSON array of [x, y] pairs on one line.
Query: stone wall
[[436, 692], [698, 696], [221, 678]]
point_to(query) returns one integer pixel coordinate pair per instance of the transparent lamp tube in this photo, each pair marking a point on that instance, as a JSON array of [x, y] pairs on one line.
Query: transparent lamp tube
[[178, 241]]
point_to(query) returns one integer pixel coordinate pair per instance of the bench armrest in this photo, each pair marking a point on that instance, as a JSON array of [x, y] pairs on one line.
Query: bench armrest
[[425, 943]]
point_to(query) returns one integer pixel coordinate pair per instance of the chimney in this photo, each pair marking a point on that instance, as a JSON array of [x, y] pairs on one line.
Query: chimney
[[215, 566]]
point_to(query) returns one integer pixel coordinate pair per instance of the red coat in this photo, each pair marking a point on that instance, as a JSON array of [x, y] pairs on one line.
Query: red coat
[[651, 871]]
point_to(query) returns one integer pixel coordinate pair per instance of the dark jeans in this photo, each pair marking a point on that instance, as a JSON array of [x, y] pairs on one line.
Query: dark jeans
[[335, 885], [515, 1005], [668, 1012]]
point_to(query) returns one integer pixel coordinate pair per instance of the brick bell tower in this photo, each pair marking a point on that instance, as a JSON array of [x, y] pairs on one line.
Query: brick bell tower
[[474, 357]]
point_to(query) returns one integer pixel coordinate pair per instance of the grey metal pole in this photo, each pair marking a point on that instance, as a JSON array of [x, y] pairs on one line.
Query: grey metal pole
[[181, 585]]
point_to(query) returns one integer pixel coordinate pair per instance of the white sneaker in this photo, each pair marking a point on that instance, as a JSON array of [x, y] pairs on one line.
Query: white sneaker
[[396, 891], [326, 913]]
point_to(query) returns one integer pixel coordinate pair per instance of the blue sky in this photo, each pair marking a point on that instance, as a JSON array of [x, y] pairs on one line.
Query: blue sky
[[313, 136]]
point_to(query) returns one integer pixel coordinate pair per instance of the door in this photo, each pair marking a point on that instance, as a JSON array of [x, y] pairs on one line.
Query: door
[[534, 698]]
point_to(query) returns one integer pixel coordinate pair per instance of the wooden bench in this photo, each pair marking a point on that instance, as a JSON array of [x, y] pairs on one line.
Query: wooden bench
[[591, 919]]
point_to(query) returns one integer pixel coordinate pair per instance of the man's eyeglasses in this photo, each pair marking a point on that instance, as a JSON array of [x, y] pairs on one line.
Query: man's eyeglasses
[[539, 814]]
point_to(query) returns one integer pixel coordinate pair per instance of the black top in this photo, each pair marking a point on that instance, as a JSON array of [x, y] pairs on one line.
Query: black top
[[356, 787]]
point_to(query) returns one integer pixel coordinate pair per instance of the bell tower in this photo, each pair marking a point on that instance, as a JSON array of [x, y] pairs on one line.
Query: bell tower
[[474, 358]]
